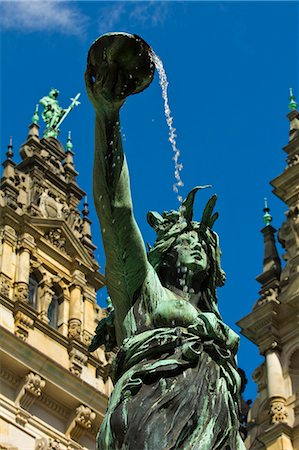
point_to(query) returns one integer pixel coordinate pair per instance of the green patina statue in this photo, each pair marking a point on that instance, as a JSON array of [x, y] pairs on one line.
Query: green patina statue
[[53, 115], [176, 384]]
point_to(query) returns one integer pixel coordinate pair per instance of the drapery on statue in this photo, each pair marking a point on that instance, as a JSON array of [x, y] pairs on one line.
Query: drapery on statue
[[176, 384]]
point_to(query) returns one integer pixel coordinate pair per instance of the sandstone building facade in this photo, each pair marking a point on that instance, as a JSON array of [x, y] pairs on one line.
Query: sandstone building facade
[[273, 324], [53, 391]]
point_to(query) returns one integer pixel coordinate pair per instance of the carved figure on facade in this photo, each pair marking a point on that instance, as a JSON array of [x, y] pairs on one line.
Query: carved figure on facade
[[55, 237], [74, 330], [21, 291]]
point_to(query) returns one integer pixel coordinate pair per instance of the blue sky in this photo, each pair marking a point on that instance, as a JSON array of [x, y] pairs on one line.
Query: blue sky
[[229, 65]]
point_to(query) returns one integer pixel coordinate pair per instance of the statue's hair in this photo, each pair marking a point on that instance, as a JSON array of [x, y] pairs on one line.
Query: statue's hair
[[172, 224]]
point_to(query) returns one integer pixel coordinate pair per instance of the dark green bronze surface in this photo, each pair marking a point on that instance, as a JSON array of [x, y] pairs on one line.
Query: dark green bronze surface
[[176, 385]]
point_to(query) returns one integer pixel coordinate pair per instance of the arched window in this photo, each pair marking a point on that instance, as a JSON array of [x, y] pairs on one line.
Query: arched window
[[33, 291], [54, 307]]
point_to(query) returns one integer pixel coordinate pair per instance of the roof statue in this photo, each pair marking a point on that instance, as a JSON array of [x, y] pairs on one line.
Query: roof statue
[[176, 383], [53, 115]]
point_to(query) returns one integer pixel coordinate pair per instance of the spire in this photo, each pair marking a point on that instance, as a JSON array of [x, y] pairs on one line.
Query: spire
[[293, 116], [267, 216], [86, 229], [9, 152], [9, 164], [34, 126], [35, 117], [69, 144], [271, 264], [85, 211], [292, 105]]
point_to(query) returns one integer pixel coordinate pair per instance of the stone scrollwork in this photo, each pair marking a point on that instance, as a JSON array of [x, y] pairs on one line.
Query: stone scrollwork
[[278, 411], [30, 390], [81, 422], [23, 324], [77, 361]]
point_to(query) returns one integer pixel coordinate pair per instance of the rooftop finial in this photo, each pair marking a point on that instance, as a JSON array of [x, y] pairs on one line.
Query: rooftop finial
[[9, 152], [35, 117], [267, 216], [293, 104], [85, 211], [69, 144]]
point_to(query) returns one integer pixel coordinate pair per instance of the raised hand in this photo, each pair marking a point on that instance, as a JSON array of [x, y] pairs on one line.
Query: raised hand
[[116, 68]]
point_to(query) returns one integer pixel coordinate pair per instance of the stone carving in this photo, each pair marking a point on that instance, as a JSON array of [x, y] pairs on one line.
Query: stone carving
[[30, 390], [23, 324], [55, 237], [81, 422], [77, 361], [278, 411], [49, 444], [74, 331], [46, 298], [5, 285], [269, 295], [21, 291], [86, 337], [22, 417], [175, 372], [49, 206]]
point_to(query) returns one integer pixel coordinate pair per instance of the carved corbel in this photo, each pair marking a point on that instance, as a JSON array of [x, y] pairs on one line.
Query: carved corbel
[[23, 324], [30, 390], [80, 423], [77, 361], [278, 411]]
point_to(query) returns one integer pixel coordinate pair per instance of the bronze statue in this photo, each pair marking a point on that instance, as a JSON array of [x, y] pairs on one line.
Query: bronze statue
[[176, 384]]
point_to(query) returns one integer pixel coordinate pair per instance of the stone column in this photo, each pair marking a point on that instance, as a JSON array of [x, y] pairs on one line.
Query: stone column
[[276, 388], [75, 314], [7, 260], [89, 314]]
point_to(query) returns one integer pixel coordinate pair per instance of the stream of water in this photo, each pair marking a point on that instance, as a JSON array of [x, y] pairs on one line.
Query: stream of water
[[178, 166]]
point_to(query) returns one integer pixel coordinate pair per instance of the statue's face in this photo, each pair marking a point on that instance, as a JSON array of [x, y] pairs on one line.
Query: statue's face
[[191, 252]]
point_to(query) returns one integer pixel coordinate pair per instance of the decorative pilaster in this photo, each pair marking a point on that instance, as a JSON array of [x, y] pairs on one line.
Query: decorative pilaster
[[275, 386], [75, 318], [80, 423]]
